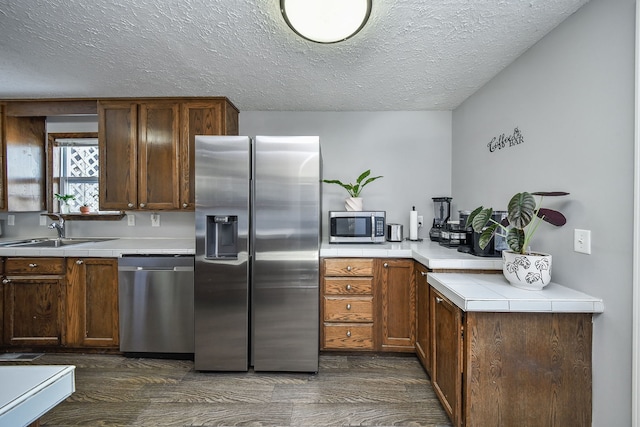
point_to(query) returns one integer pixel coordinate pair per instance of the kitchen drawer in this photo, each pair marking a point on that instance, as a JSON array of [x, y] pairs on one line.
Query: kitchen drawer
[[348, 267], [357, 309], [348, 286], [15, 265], [356, 336]]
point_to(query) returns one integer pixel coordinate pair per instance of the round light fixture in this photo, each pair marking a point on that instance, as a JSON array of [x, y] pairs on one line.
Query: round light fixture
[[326, 21]]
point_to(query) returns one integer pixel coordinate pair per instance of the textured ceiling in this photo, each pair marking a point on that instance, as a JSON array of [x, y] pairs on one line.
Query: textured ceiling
[[412, 55]]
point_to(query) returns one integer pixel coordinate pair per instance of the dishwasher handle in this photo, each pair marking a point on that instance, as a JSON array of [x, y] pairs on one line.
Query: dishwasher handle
[[139, 268]]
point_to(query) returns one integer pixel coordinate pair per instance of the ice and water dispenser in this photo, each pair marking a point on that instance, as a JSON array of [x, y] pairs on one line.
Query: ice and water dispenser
[[222, 237]]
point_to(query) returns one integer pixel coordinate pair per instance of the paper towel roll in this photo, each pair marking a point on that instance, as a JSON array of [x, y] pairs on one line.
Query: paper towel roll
[[413, 224]]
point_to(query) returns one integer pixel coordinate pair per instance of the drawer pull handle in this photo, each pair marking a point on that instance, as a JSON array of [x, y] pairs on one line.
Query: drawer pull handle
[[348, 334], [385, 265], [79, 262], [348, 268], [348, 306], [33, 265], [439, 300], [348, 287]]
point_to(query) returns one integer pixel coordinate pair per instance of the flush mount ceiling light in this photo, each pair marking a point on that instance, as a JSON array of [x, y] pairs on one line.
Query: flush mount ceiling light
[[326, 21]]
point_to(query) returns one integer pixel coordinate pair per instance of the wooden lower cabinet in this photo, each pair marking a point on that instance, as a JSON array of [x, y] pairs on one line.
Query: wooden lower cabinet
[[397, 304], [347, 304], [508, 369], [33, 310], [59, 302], [423, 333], [92, 303]]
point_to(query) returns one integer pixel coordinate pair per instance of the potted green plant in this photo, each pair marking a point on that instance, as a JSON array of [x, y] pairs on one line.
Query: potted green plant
[[354, 202], [524, 269], [64, 201]]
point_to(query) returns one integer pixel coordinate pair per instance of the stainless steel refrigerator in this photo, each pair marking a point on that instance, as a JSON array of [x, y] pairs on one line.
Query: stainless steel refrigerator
[[257, 253]]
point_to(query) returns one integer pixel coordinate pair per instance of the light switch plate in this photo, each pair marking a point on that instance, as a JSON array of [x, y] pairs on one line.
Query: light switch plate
[[155, 220], [582, 241], [131, 219], [11, 220], [43, 220]]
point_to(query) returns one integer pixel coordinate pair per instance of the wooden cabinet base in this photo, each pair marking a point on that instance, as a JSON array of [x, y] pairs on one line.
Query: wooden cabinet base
[[527, 369]]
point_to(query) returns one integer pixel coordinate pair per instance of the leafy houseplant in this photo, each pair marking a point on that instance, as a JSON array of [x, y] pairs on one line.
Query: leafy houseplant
[[354, 190], [523, 269], [522, 212], [354, 202], [64, 201]]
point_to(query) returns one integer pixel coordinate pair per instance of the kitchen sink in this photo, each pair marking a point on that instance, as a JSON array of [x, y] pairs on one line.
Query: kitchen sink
[[52, 243]]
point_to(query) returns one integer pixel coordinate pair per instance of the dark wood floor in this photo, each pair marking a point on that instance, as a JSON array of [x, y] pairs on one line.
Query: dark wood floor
[[348, 390]]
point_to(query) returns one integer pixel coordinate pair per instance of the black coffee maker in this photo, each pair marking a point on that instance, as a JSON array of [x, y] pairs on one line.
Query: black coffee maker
[[472, 246]]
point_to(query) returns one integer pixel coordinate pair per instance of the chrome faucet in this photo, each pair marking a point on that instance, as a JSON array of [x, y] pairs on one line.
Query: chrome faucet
[[59, 226]]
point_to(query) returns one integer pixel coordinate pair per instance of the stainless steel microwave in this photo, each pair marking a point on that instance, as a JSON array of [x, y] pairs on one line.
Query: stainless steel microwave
[[356, 227]]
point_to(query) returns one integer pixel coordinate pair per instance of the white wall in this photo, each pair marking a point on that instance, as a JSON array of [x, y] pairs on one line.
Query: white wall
[[412, 150], [572, 97]]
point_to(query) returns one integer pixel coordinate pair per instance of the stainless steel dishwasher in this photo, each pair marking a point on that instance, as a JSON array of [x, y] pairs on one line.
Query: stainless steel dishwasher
[[156, 304]]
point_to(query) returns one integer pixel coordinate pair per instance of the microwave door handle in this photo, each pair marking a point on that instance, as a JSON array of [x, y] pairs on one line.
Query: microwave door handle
[[373, 228]]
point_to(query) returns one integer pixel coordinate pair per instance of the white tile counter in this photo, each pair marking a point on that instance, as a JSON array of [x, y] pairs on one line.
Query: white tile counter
[[431, 254], [28, 392], [493, 293], [110, 248]]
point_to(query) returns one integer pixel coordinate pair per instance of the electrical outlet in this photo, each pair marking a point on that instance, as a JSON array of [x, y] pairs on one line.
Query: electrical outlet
[[131, 219], [11, 220], [582, 241], [43, 220], [420, 221], [155, 220]]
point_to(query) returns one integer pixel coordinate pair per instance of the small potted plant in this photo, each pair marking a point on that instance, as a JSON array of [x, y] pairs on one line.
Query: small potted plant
[[522, 268], [354, 202], [64, 202], [85, 209]]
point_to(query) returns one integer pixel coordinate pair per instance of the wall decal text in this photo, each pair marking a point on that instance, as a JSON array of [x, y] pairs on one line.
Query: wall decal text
[[504, 141]]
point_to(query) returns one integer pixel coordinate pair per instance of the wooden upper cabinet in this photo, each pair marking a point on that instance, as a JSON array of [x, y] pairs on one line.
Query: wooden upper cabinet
[[158, 156], [118, 143], [147, 149], [22, 156]]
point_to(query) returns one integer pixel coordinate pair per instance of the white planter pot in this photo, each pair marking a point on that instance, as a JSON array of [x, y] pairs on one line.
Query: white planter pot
[[531, 272], [353, 204]]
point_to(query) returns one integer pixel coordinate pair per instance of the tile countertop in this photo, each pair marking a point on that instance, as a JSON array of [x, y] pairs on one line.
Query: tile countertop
[[493, 293], [110, 248], [430, 254]]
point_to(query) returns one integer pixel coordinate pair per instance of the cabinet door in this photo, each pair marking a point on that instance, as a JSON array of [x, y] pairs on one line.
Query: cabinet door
[[158, 154], [197, 118], [397, 304], [446, 357], [422, 317], [24, 164], [117, 139], [92, 302], [33, 310]]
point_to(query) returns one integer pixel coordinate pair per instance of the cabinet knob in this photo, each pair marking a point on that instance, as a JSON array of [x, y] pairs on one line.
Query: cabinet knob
[[348, 287], [33, 265], [348, 334], [424, 273], [142, 205], [348, 268], [348, 306], [5, 281], [439, 300], [130, 205], [185, 205], [385, 265], [79, 262]]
